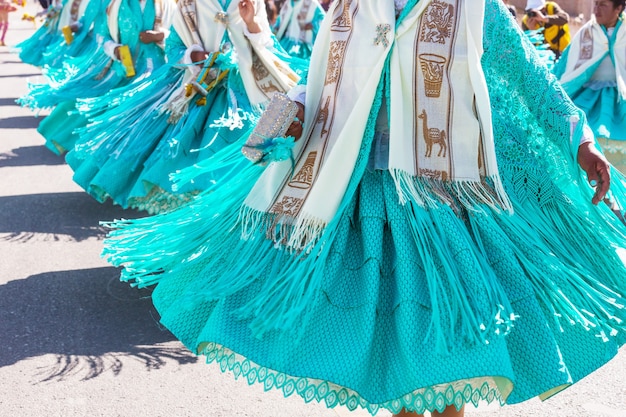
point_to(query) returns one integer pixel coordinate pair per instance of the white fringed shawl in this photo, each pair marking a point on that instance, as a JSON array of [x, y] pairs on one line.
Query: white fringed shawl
[[292, 15], [441, 142], [262, 72], [72, 12], [589, 47]]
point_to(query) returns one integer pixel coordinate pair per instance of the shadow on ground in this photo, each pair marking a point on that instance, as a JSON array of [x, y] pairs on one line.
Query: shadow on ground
[[19, 122], [88, 319], [34, 74], [8, 101], [30, 156], [58, 216]]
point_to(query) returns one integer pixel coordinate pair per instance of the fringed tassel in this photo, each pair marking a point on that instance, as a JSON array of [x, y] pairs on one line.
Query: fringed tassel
[[282, 229], [283, 302], [232, 264], [134, 108], [228, 161], [468, 303], [471, 195], [178, 106], [564, 221], [570, 287], [239, 264], [78, 80], [147, 247], [616, 199]]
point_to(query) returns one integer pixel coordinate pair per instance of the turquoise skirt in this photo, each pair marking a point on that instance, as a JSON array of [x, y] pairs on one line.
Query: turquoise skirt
[[297, 48], [369, 338], [606, 114], [80, 77], [58, 127], [605, 110], [131, 163], [403, 306], [32, 50]]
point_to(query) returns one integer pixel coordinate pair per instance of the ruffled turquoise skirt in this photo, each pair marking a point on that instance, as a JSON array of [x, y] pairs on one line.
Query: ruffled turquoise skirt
[[91, 75], [296, 48], [368, 339], [84, 44], [80, 77], [58, 127], [131, 164], [83, 76], [32, 50], [404, 306], [606, 114]]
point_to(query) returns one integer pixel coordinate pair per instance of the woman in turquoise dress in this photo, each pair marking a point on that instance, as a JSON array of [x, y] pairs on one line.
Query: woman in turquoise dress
[[31, 51], [168, 122], [297, 25], [592, 71], [433, 243], [139, 26], [76, 24]]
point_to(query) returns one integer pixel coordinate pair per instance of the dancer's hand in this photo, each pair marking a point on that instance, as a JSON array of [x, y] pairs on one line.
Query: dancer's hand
[[248, 14], [597, 168], [151, 36], [198, 57], [295, 129]]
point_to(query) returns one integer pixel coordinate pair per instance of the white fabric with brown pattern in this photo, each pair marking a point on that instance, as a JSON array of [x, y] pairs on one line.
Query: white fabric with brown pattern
[[436, 132]]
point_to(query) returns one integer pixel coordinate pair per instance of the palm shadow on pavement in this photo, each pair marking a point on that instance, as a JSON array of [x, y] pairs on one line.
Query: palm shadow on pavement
[[8, 101], [30, 156], [32, 74], [19, 122], [90, 321], [57, 216]]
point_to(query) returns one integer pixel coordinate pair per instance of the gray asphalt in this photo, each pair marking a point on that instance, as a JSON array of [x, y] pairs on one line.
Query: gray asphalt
[[76, 342]]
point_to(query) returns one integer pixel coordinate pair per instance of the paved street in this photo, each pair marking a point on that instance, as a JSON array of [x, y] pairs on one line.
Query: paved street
[[75, 342]]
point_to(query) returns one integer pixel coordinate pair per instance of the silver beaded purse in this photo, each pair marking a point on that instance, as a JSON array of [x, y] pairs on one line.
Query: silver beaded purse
[[274, 122]]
